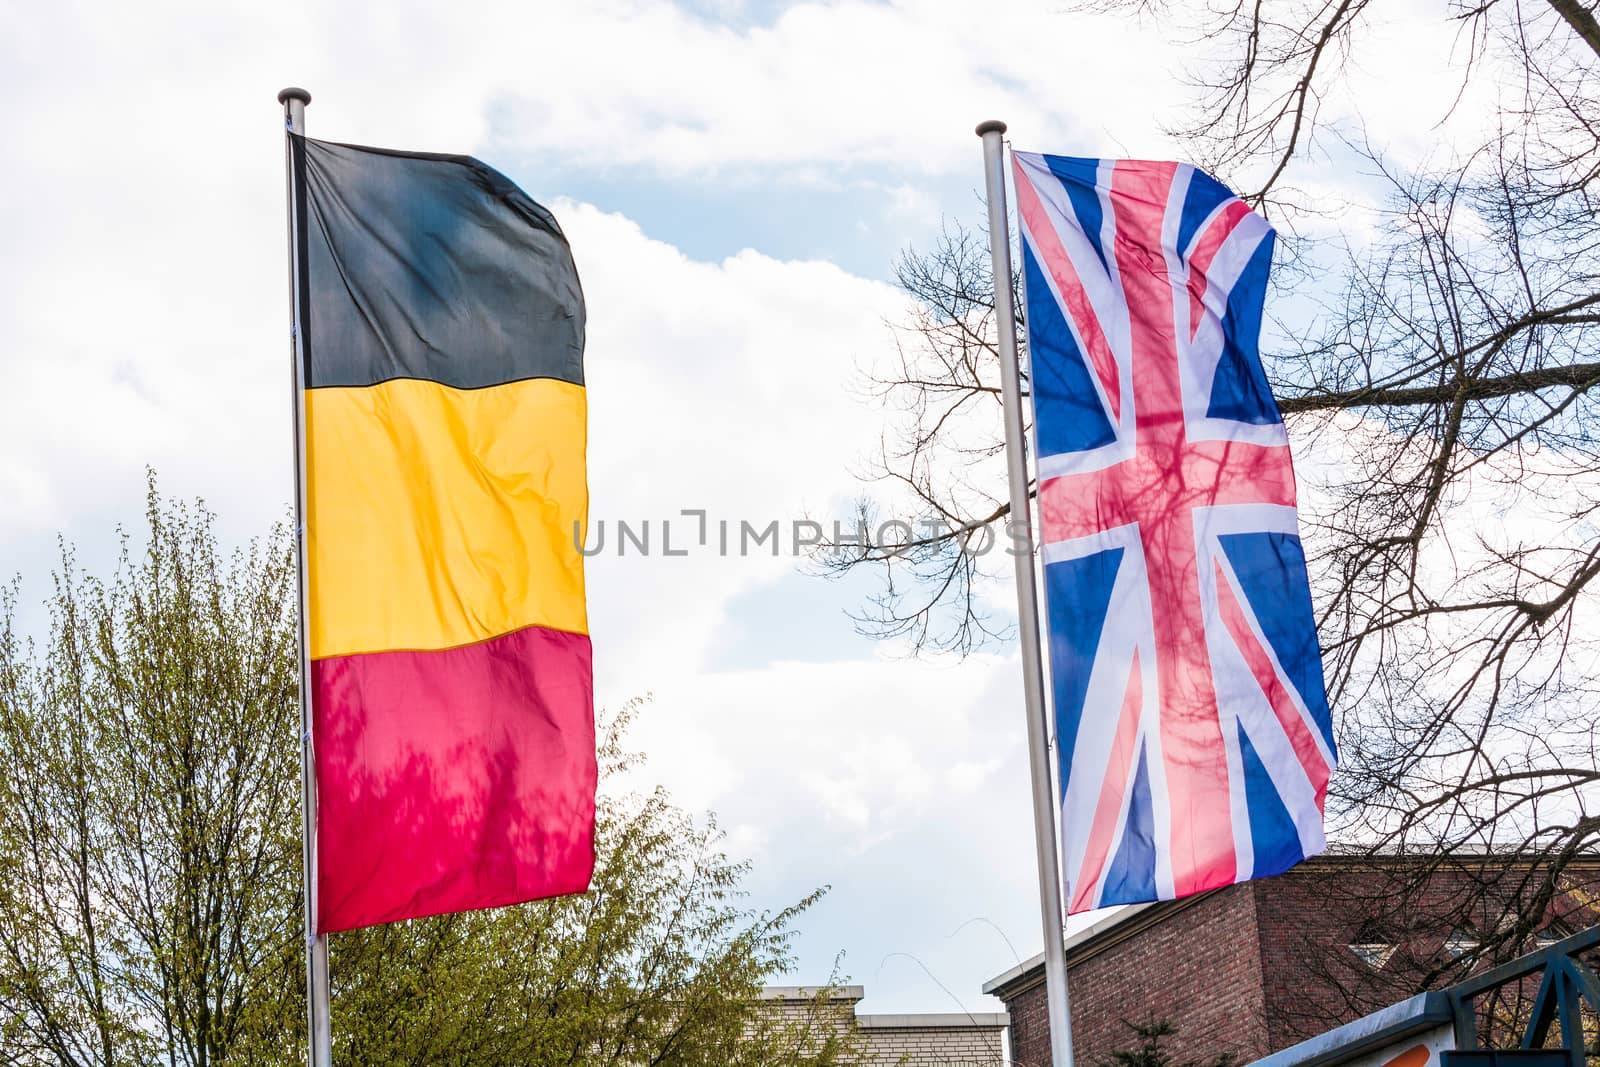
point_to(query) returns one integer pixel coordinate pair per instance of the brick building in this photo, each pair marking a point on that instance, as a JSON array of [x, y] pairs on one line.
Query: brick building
[[914, 1040], [1257, 967]]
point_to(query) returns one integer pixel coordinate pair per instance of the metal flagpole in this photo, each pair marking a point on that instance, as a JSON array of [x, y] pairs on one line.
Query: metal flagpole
[[1044, 806], [319, 1029]]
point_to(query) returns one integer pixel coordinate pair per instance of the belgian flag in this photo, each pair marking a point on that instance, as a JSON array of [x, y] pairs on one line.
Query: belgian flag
[[442, 329]]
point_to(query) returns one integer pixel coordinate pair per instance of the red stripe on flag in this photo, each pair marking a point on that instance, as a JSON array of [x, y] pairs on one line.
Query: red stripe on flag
[[1193, 754], [1272, 686], [456, 779], [1053, 258], [1205, 250], [1108, 808]]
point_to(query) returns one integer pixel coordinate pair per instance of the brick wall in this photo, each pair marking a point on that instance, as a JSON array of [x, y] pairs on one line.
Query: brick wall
[[932, 1041], [912, 1040], [1030, 1026], [1309, 917], [1190, 966], [1254, 968]]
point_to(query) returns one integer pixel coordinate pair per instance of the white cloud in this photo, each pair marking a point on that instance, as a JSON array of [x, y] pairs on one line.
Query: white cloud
[[147, 161], [901, 783], [716, 387], [897, 85]]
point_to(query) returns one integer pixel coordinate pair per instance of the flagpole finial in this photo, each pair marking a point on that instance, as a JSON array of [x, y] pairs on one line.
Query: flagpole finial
[[293, 92], [990, 126]]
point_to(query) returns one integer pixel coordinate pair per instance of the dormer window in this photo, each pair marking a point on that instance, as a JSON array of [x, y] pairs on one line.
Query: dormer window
[[1372, 946], [1555, 931], [1459, 943], [1373, 953]]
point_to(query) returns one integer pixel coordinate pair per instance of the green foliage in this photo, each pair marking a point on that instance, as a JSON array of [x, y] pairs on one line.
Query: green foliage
[[149, 853], [150, 864], [1152, 1050], [659, 963]]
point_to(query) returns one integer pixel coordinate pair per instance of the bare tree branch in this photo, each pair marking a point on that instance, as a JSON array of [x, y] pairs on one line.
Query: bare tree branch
[[1439, 367]]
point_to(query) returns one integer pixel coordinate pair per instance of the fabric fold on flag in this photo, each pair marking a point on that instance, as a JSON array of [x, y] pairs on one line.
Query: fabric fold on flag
[[1192, 724], [445, 426]]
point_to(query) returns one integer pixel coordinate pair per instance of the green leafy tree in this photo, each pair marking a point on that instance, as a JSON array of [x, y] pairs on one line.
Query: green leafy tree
[[660, 963], [150, 908], [149, 855]]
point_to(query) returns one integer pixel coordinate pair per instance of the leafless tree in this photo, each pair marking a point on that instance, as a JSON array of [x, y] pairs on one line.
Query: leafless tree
[[1437, 370]]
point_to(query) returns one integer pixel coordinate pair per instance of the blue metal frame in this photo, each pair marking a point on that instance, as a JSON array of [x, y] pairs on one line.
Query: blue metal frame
[[1567, 983]]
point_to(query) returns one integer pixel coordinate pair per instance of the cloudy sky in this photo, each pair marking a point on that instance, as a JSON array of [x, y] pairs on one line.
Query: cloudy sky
[[736, 179]]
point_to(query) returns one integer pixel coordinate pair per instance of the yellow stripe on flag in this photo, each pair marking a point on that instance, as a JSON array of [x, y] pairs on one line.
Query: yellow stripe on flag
[[438, 517]]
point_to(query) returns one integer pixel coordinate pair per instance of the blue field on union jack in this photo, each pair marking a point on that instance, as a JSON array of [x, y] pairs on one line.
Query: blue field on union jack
[[1191, 718]]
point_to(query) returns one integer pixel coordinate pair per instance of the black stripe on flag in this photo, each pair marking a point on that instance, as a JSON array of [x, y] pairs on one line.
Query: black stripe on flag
[[433, 267]]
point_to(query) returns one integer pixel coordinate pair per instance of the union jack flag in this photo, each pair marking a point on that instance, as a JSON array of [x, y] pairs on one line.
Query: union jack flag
[[1191, 720]]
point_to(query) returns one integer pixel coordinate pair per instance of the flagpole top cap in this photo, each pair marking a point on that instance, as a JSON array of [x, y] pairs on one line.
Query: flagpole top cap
[[294, 92], [990, 126]]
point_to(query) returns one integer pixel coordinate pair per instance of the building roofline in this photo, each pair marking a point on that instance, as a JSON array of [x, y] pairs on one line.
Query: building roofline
[[957, 1020], [1102, 934], [1081, 944], [984, 1020], [1346, 857], [1420, 1013], [812, 992], [1005, 978]]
